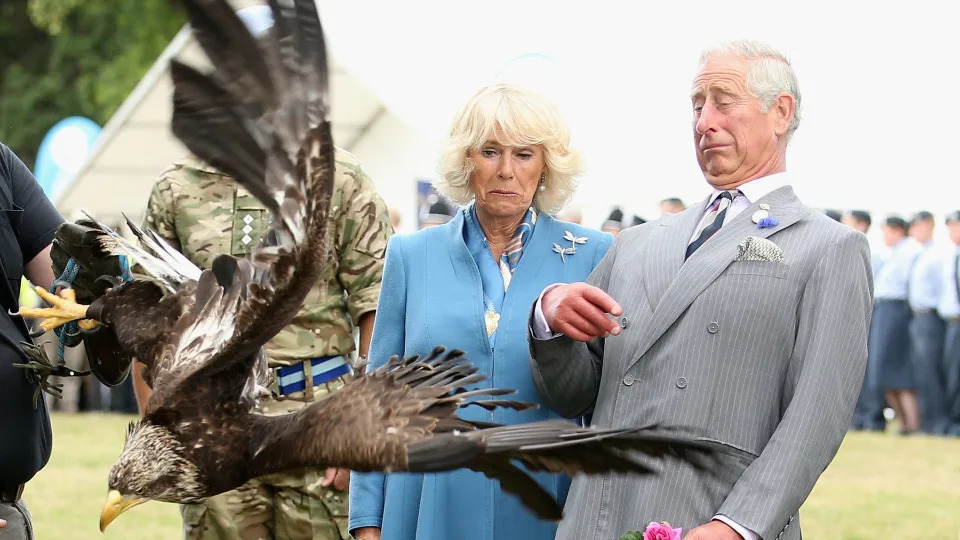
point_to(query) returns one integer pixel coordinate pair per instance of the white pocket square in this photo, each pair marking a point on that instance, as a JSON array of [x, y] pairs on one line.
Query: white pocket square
[[754, 248]]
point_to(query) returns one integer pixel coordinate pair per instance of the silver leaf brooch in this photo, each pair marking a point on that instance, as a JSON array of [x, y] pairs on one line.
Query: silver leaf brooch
[[574, 241]]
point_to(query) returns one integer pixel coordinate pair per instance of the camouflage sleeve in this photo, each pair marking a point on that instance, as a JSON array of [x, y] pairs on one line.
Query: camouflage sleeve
[[366, 227], [160, 211]]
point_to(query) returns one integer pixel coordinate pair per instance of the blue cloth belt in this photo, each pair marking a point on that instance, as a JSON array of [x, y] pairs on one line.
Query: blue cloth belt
[[290, 379]]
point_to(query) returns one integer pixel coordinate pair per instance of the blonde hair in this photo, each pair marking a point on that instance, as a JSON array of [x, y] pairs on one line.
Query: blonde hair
[[512, 116]]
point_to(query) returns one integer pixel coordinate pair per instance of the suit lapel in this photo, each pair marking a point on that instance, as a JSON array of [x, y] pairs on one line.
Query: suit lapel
[[668, 244], [713, 257]]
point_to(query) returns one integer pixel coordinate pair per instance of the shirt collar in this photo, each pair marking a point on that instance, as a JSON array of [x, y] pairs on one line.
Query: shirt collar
[[755, 190], [906, 244], [916, 243]]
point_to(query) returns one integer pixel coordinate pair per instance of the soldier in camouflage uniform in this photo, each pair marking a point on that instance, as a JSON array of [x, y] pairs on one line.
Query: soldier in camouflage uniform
[[204, 214]]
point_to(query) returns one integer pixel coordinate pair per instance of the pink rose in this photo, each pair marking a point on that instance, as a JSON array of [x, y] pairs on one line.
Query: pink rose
[[661, 531]]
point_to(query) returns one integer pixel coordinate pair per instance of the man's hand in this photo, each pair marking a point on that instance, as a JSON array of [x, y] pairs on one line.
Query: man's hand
[[367, 533], [579, 311], [715, 530], [340, 478], [3, 523]]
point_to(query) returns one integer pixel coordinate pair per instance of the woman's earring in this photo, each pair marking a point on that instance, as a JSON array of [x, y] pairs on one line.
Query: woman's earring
[[543, 178]]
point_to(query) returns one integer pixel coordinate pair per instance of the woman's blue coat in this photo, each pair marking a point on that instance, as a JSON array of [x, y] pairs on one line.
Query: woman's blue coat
[[431, 295]]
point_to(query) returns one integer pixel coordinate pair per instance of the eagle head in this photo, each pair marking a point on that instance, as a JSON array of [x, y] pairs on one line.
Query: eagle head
[[152, 466]]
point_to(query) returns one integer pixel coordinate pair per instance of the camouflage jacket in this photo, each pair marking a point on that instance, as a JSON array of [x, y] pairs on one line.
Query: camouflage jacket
[[204, 213]]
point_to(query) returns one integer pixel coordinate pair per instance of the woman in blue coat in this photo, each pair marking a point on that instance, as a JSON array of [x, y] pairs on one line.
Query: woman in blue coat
[[470, 284]]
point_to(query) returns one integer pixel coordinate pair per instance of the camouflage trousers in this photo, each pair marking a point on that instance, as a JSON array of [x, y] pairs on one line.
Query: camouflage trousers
[[291, 505]]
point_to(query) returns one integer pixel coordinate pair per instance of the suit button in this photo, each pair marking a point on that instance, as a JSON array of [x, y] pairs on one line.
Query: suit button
[[713, 328], [682, 382], [628, 379], [623, 322]]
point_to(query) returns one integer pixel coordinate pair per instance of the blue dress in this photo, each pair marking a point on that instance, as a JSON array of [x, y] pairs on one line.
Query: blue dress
[[432, 295]]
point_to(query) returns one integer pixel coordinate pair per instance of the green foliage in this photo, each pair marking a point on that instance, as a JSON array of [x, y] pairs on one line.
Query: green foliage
[[50, 14], [69, 57]]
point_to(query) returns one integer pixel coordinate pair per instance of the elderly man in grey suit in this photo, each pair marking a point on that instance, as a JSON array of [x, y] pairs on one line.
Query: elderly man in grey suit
[[742, 319]]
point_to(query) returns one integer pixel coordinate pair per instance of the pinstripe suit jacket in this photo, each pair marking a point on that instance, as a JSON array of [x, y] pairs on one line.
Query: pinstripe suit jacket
[[766, 358]]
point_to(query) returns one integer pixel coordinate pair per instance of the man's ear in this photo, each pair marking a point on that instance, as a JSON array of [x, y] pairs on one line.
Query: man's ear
[[785, 108]]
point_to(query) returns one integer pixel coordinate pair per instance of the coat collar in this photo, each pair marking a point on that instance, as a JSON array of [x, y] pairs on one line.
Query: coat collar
[[538, 249]]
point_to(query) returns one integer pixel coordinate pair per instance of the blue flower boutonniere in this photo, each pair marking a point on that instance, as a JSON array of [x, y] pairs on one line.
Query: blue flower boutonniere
[[768, 222], [763, 219]]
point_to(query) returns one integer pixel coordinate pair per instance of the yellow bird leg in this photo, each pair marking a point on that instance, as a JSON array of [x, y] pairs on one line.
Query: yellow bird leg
[[65, 309]]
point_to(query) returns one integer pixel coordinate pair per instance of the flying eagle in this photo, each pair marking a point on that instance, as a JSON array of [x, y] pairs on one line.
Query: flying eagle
[[261, 117]]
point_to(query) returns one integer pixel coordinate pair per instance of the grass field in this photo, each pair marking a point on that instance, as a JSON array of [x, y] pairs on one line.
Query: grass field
[[879, 486]]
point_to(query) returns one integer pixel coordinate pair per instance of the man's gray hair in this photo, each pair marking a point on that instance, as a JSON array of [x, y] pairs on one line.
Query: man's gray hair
[[769, 74]]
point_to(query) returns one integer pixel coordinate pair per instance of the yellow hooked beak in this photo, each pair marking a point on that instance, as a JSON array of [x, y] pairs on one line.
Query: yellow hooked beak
[[115, 505]]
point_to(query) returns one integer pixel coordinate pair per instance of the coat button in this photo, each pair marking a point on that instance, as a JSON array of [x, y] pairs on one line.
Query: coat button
[[713, 328], [623, 322], [628, 379], [682, 382]]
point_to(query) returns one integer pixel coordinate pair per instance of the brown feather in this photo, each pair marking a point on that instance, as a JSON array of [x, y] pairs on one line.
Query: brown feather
[[412, 426]]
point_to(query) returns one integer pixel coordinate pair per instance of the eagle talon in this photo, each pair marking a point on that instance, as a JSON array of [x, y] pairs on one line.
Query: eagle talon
[[38, 369], [61, 283], [78, 333], [65, 309], [88, 325], [84, 329]]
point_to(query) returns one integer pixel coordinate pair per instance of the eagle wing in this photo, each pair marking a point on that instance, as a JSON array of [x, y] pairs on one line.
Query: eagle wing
[[402, 418], [261, 117], [93, 260]]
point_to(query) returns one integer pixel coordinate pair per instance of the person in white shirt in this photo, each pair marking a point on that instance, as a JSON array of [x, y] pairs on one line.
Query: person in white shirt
[[891, 368], [927, 328], [868, 415], [949, 310]]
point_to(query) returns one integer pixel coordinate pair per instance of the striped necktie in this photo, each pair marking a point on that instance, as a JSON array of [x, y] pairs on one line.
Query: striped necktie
[[713, 220]]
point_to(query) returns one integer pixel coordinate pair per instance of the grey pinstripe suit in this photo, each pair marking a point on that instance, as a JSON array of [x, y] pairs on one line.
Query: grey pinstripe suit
[[766, 358]]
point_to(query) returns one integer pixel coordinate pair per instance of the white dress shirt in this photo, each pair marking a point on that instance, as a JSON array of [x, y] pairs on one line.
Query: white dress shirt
[[949, 305], [876, 262], [750, 193], [893, 279], [926, 279]]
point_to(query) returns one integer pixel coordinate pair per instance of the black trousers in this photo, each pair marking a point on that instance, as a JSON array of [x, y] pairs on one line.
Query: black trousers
[[927, 332], [868, 414], [951, 367]]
